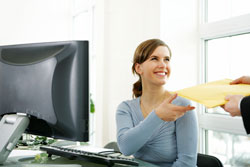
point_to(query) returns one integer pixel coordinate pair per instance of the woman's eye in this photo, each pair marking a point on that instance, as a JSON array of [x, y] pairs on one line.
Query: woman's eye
[[153, 58], [167, 59]]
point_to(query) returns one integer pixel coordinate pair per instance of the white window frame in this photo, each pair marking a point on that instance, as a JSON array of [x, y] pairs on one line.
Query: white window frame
[[228, 27]]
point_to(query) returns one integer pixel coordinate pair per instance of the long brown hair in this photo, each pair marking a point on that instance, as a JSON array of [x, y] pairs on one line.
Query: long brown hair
[[142, 53]]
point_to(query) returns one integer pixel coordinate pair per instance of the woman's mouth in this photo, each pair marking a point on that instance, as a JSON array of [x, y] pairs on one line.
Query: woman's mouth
[[162, 74]]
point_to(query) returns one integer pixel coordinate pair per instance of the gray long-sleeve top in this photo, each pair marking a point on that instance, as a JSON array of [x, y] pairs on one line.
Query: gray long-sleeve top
[[154, 140]]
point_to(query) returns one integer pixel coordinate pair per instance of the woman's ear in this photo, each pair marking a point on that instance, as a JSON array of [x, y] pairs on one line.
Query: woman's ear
[[138, 68]]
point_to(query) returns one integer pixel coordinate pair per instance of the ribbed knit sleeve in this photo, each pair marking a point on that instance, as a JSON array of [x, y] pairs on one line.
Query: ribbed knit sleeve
[[130, 137], [163, 143], [187, 138]]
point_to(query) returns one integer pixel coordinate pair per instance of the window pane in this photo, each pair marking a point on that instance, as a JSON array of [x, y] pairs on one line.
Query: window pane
[[217, 110], [232, 150], [227, 57], [224, 9]]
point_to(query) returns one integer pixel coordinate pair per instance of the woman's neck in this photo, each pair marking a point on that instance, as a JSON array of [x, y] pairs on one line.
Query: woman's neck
[[151, 97]]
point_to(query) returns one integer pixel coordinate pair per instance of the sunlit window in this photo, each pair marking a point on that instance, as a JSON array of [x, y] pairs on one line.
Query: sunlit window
[[231, 149], [225, 54], [227, 57], [223, 9]]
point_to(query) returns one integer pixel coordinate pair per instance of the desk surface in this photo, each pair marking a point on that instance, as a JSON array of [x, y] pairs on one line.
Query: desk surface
[[28, 156]]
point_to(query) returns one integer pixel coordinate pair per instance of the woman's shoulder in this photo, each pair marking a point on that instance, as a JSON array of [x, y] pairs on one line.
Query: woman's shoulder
[[128, 104]]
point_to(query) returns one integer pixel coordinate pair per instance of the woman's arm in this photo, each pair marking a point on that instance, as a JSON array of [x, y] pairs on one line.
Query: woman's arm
[[131, 138], [186, 136]]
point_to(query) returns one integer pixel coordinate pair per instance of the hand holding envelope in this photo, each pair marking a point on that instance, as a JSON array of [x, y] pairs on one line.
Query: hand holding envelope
[[212, 94]]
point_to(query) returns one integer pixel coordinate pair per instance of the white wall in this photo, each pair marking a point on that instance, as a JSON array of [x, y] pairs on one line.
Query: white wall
[[30, 21], [179, 29], [123, 25]]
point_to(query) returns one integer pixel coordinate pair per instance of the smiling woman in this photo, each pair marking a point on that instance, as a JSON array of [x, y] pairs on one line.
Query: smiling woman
[[147, 51], [152, 127], [157, 67]]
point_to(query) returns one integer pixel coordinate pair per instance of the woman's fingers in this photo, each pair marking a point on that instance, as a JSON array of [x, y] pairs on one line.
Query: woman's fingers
[[171, 98], [183, 108]]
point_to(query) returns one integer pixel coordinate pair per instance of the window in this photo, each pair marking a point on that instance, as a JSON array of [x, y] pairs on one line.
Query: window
[[225, 37], [231, 149], [227, 57], [225, 9]]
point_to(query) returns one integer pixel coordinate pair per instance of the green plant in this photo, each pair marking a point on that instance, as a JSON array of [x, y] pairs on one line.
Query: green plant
[[35, 140], [41, 158], [92, 105], [43, 140]]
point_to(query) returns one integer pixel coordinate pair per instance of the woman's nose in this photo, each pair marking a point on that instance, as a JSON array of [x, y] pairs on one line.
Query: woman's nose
[[162, 63]]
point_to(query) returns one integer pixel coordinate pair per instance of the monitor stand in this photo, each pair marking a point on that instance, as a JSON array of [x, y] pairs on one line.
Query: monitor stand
[[11, 128]]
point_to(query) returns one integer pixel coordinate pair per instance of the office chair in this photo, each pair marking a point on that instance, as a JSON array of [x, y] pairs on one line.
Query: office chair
[[112, 145], [203, 160]]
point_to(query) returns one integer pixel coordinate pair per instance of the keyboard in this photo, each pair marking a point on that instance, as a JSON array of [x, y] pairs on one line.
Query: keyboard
[[100, 158]]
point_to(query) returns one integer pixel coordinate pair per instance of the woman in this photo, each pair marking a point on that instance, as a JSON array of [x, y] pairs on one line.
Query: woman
[[155, 126]]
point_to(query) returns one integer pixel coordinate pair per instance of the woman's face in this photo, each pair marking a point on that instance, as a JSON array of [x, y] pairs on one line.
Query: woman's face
[[156, 69]]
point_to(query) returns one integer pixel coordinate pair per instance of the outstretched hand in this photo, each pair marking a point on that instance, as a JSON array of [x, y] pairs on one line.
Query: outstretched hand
[[170, 112], [232, 105], [241, 80]]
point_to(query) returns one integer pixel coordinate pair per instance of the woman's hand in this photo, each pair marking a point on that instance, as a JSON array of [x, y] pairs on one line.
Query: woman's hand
[[170, 112]]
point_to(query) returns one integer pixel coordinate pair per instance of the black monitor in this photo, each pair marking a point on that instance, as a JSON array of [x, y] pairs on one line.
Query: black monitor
[[49, 82]]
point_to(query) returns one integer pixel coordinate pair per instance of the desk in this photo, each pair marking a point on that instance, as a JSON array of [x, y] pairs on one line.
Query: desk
[[28, 156]]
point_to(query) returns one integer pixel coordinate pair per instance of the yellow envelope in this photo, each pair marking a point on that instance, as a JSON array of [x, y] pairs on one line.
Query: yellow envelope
[[212, 94]]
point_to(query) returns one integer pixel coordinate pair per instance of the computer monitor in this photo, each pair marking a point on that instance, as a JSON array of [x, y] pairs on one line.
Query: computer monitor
[[49, 82]]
